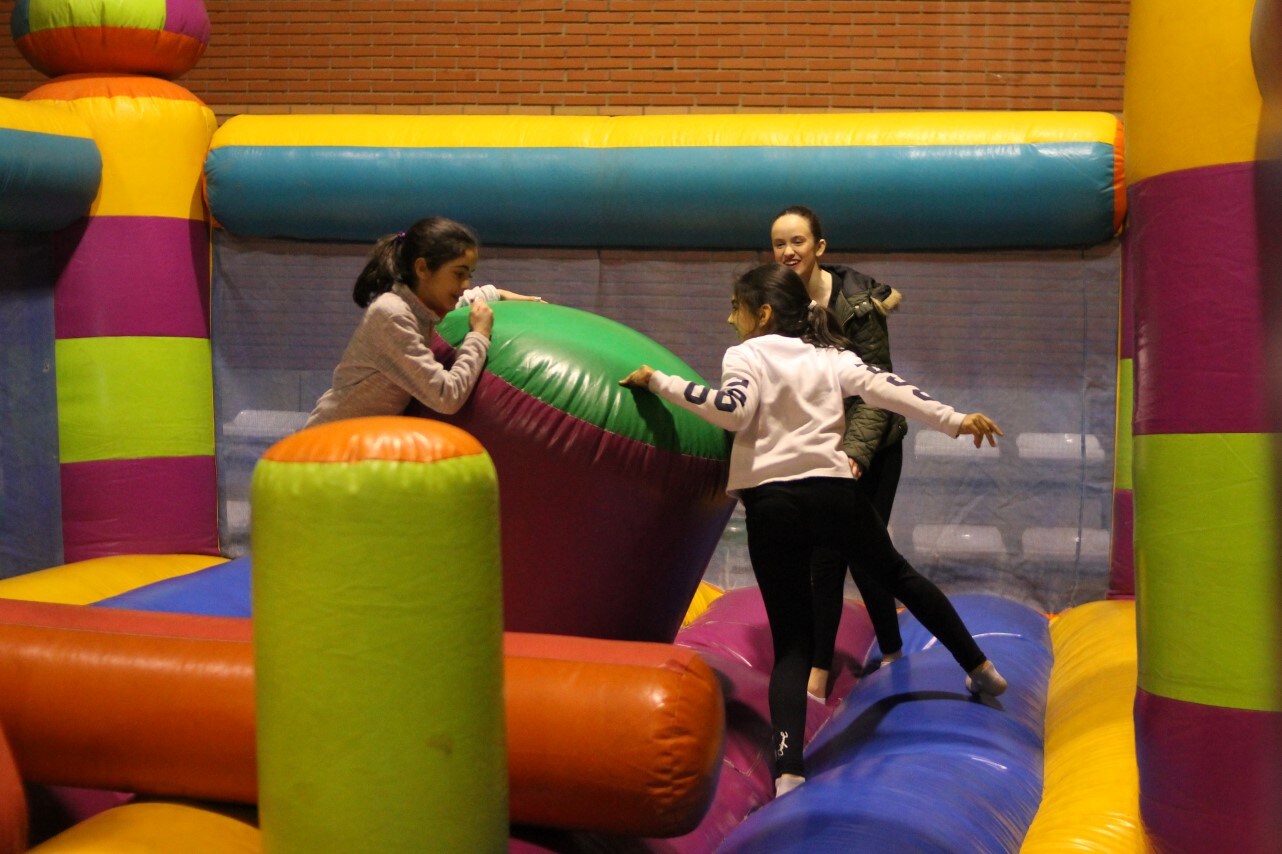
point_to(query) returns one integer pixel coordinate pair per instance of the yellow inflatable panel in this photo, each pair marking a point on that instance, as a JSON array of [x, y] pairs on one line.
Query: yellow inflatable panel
[[153, 154], [736, 129], [1190, 99], [88, 581], [1091, 790], [704, 596], [41, 118], [150, 828]]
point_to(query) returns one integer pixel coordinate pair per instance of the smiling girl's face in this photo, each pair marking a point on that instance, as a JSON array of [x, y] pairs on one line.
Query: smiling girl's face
[[794, 245], [441, 288]]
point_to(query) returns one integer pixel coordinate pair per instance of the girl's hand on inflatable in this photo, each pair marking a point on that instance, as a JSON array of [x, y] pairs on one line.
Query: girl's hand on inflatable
[[982, 427], [480, 318], [512, 295], [640, 378]]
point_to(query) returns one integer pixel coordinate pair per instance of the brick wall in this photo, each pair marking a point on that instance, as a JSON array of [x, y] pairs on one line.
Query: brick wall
[[627, 56]]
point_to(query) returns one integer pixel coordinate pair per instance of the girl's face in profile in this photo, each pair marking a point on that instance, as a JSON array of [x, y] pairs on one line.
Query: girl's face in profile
[[794, 245], [746, 323], [441, 288]]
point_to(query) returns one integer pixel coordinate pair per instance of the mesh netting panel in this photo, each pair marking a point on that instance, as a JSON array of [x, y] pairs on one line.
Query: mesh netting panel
[[1028, 337], [30, 499]]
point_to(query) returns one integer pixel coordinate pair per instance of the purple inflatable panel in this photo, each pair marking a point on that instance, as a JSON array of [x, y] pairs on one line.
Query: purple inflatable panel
[[1199, 335], [603, 536]]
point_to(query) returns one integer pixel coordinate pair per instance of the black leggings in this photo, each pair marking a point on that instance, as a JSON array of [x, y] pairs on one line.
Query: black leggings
[[828, 569], [786, 520]]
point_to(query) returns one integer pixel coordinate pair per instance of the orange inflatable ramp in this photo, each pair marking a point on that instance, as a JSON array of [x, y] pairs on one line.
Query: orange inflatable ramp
[[607, 736]]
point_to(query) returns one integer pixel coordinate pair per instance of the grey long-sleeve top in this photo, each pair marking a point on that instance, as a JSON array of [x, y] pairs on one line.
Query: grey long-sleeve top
[[389, 361]]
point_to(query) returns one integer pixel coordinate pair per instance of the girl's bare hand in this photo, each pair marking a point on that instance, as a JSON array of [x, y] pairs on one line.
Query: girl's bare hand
[[480, 317], [640, 378], [982, 427]]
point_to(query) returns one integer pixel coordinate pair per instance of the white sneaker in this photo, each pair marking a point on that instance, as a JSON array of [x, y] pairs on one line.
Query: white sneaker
[[985, 680], [785, 783]]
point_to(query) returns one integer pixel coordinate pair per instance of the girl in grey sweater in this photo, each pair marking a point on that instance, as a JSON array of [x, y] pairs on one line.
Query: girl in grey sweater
[[412, 279]]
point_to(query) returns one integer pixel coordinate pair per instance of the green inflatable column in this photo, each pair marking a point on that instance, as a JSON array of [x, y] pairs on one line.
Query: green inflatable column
[[379, 640]]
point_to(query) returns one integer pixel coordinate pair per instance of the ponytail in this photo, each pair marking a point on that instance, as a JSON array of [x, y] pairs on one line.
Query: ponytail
[[822, 329], [382, 270], [435, 239], [796, 315]]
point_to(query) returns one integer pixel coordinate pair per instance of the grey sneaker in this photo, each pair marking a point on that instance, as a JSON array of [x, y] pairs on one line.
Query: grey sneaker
[[985, 680]]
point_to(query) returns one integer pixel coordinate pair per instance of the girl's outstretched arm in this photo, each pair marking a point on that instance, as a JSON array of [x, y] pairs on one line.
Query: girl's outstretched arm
[[890, 391], [513, 295], [731, 407], [886, 390]]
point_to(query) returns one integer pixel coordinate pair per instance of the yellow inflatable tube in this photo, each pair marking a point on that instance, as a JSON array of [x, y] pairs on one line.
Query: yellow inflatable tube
[[1090, 799], [731, 130]]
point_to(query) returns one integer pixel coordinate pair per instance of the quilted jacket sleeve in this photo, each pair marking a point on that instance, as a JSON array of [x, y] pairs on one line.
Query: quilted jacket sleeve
[[863, 306]]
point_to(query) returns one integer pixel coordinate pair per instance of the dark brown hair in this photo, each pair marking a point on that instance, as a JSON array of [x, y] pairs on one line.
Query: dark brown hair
[[435, 239], [796, 315], [812, 218]]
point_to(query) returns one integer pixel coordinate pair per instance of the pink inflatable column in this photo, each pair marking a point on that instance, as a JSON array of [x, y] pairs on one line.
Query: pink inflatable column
[[131, 302], [1207, 710]]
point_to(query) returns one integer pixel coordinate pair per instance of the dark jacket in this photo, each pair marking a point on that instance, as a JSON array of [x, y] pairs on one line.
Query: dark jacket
[[860, 304]]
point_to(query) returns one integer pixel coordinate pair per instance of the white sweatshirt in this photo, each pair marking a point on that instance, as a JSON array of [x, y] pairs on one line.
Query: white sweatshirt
[[784, 399]]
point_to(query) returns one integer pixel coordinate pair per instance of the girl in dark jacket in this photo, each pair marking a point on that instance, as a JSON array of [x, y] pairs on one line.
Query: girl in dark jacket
[[873, 438]]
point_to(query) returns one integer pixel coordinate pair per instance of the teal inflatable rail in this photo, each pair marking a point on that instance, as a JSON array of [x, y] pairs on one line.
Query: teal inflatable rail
[[887, 181]]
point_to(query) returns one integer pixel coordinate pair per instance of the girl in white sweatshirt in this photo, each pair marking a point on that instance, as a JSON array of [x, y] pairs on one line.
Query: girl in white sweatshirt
[[782, 393]]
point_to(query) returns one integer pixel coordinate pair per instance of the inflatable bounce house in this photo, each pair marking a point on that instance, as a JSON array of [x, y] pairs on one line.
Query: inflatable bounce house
[[491, 630]]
